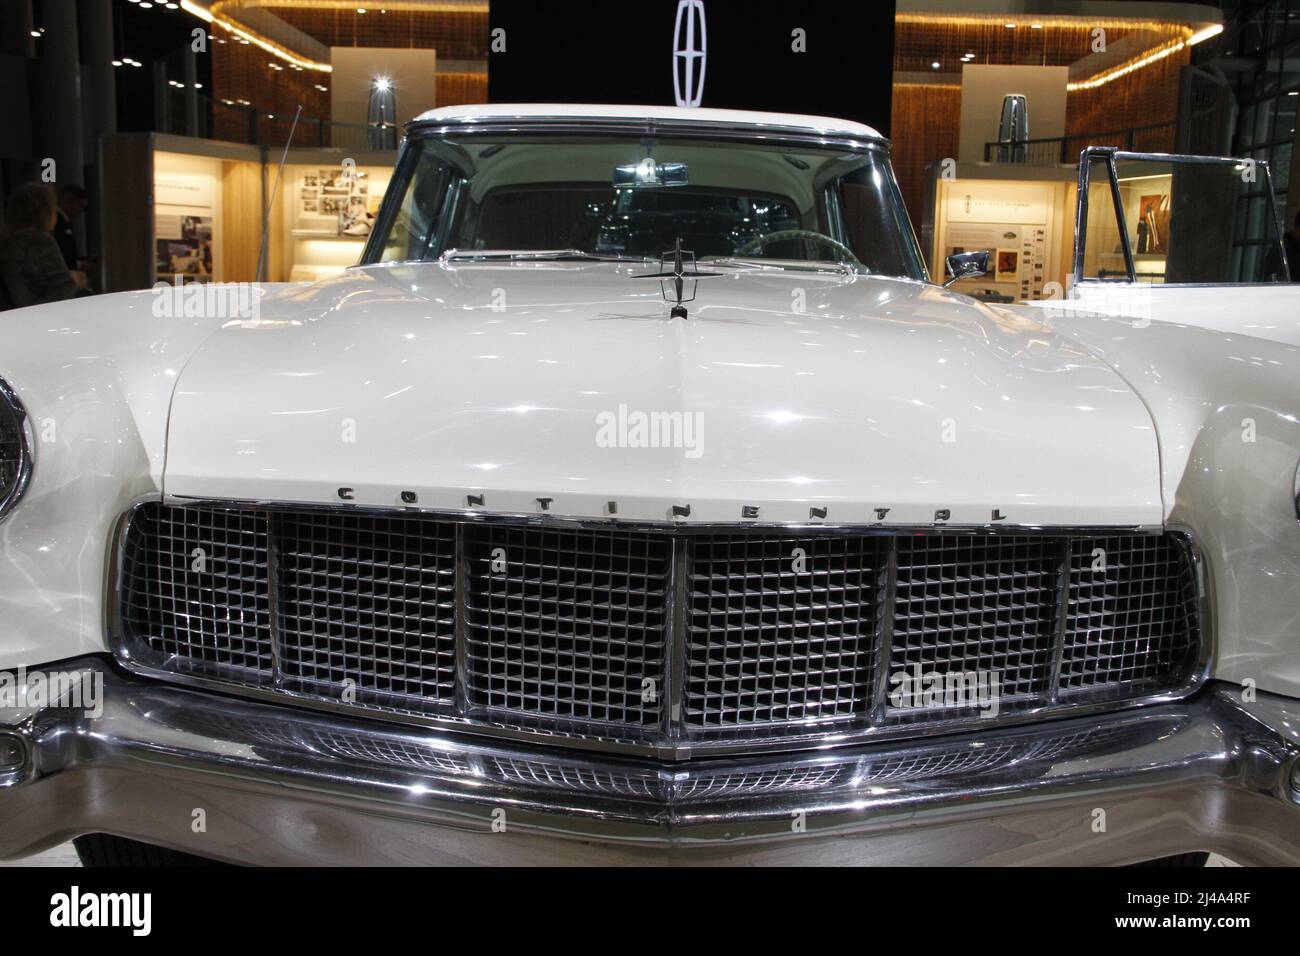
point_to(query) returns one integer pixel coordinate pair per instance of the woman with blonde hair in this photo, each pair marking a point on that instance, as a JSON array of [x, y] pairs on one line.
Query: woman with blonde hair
[[32, 269]]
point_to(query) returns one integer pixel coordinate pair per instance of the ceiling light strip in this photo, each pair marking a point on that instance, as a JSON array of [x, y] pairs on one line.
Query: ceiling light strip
[[213, 15]]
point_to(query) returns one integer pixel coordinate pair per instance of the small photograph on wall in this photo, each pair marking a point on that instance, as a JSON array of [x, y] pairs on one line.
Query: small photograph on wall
[[1008, 266], [334, 182], [1153, 223], [184, 248]]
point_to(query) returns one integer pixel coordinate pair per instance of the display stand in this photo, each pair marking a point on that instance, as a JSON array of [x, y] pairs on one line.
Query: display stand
[[193, 208]]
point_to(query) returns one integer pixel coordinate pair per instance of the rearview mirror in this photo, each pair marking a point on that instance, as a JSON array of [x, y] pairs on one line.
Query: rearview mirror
[[648, 174], [967, 265]]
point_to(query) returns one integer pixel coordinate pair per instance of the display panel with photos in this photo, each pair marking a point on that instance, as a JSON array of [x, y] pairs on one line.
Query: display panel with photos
[[183, 246], [337, 201]]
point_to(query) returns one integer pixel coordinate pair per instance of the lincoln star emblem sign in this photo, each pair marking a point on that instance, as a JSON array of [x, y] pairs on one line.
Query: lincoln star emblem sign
[[690, 53], [677, 277]]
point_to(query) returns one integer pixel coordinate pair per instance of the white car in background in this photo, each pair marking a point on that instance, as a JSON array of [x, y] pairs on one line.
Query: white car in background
[[640, 499]]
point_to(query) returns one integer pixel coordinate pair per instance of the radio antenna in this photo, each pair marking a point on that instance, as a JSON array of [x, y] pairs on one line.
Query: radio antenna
[[275, 190]]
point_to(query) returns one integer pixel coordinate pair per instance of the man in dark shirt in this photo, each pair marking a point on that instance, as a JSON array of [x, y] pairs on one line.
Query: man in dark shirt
[[72, 203]]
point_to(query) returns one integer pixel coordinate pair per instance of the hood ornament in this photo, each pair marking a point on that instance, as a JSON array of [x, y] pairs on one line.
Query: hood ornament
[[678, 277]]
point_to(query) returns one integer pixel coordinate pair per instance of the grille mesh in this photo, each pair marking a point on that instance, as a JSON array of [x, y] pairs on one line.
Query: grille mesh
[[781, 629], [593, 633], [367, 599], [1126, 624], [195, 591], [978, 604], [567, 624]]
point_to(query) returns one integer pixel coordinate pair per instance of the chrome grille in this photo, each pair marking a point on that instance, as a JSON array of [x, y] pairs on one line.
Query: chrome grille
[[566, 624], [368, 604], [781, 629], [978, 604], [195, 595], [1125, 624], [661, 639]]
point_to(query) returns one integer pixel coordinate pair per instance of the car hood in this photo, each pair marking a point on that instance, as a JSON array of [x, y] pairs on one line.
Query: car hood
[[567, 388]]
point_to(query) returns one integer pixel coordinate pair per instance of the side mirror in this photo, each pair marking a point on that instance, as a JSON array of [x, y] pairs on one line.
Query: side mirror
[[967, 265]]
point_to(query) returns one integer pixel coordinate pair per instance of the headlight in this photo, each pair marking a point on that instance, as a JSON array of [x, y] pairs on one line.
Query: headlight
[[15, 449]]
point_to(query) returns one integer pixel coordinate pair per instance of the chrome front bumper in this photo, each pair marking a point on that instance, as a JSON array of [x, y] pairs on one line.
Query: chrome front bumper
[[278, 785]]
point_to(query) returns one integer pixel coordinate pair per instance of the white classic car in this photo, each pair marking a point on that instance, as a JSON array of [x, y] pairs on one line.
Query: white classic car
[[639, 498]]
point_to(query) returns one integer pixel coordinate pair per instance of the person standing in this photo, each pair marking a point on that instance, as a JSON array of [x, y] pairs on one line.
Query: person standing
[[72, 203], [32, 270]]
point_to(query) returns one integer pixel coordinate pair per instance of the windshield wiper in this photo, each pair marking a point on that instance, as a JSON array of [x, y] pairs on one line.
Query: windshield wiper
[[539, 255], [793, 265]]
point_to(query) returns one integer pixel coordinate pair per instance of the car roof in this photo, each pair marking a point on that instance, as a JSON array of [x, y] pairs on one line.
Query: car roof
[[525, 112]]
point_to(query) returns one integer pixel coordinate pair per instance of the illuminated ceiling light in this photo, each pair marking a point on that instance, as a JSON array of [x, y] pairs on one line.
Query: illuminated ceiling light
[[383, 84], [935, 65], [1035, 26], [245, 37], [1010, 26], [146, 5], [1211, 31], [117, 62], [36, 33], [1101, 79]]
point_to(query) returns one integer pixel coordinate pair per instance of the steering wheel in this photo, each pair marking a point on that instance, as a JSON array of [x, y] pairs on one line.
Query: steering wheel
[[819, 237]]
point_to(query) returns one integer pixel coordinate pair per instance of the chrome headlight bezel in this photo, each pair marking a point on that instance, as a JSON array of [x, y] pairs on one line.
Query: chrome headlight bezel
[[11, 405]]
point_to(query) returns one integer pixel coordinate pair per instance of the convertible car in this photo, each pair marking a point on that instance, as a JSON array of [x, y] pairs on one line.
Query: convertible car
[[639, 498]]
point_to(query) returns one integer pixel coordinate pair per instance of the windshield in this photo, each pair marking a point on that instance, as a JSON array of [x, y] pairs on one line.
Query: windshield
[[620, 195]]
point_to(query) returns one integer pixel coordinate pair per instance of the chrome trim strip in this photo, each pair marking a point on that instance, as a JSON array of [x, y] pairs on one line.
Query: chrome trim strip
[[26, 449], [1062, 621], [462, 630], [273, 599], [885, 634], [1208, 773], [605, 522], [620, 739], [678, 612], [597, 125]]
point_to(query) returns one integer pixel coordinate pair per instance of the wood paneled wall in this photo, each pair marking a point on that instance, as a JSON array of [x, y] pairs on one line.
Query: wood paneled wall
[[241, 220], [1143, 98], [455, 89], [926, 121]]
